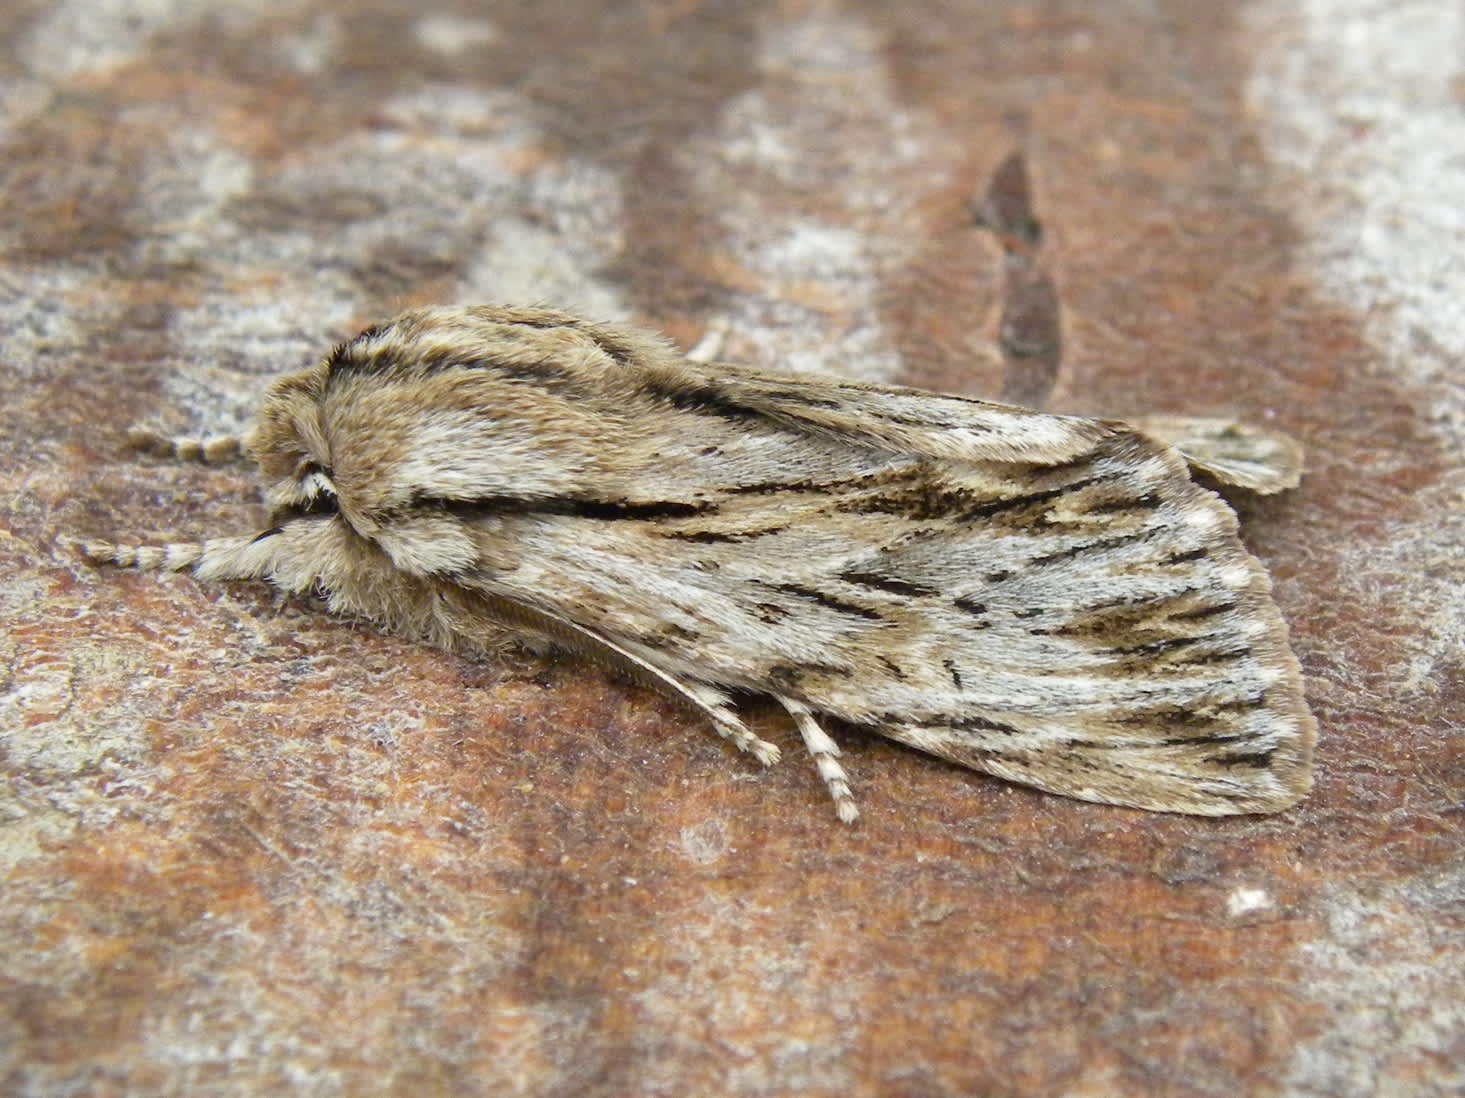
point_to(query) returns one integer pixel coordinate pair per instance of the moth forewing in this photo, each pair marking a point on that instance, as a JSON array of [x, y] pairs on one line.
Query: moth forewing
[[1049, 599]]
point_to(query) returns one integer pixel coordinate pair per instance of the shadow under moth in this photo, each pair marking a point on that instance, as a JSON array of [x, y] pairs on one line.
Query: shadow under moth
[[1050, 599]]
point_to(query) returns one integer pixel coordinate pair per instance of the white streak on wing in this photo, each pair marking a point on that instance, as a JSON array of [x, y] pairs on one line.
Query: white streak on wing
[[1254, 627], [1235, 576], [463, 454], [1203, 518], [1152, 469]]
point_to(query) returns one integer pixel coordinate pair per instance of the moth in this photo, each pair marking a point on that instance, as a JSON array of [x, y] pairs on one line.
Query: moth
[[1049, 599]]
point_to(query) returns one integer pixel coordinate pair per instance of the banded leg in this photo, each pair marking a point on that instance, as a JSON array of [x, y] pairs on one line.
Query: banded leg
[[214, 450], [826, 757], [710, 345], [728, 725], [234, 558]]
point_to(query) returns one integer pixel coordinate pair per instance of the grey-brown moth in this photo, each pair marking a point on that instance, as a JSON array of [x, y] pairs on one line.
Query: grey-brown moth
[[1050, 599]]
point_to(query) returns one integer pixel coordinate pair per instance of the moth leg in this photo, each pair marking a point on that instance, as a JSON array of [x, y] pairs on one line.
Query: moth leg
[[825, 752], [213, 450], [244, 557], [710, 345], [705, 698], [727, 724]]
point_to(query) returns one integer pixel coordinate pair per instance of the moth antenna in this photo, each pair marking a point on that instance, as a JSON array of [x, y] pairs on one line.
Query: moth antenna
[[213, 450], [245, 557], [825, 752]]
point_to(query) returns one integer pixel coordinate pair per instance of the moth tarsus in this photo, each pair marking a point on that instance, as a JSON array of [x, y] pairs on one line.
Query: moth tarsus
[[1049, 599], [214, 450]]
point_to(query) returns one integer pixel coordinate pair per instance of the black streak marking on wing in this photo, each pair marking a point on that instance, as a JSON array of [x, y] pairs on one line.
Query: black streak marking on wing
[[1228, 656], [1241, 705], [1147, 502], [937, 722], [791, 675], [356, 359], [1257, 760], [1095, 546], [982, 724], [768, 487], [1155, 648], [916, 500], [804, 398], [703, 400], [824, 599], [1204, 612], [883, 582], [640, 510], [621, 354], [1028, 499], [714, 536], [893, 667], [341, 357]]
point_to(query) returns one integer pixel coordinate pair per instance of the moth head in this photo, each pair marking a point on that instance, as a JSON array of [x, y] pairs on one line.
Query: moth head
[[292, 448], [338, 443]]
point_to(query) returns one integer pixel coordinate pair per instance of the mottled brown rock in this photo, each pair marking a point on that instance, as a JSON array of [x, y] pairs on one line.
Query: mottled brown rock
[[252, 850]]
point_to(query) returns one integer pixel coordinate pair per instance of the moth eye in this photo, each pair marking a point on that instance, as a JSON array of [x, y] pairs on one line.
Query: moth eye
[[316, 484], [317, 490]]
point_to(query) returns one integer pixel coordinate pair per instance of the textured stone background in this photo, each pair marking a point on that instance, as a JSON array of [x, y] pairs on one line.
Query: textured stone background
[[251, 850]]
